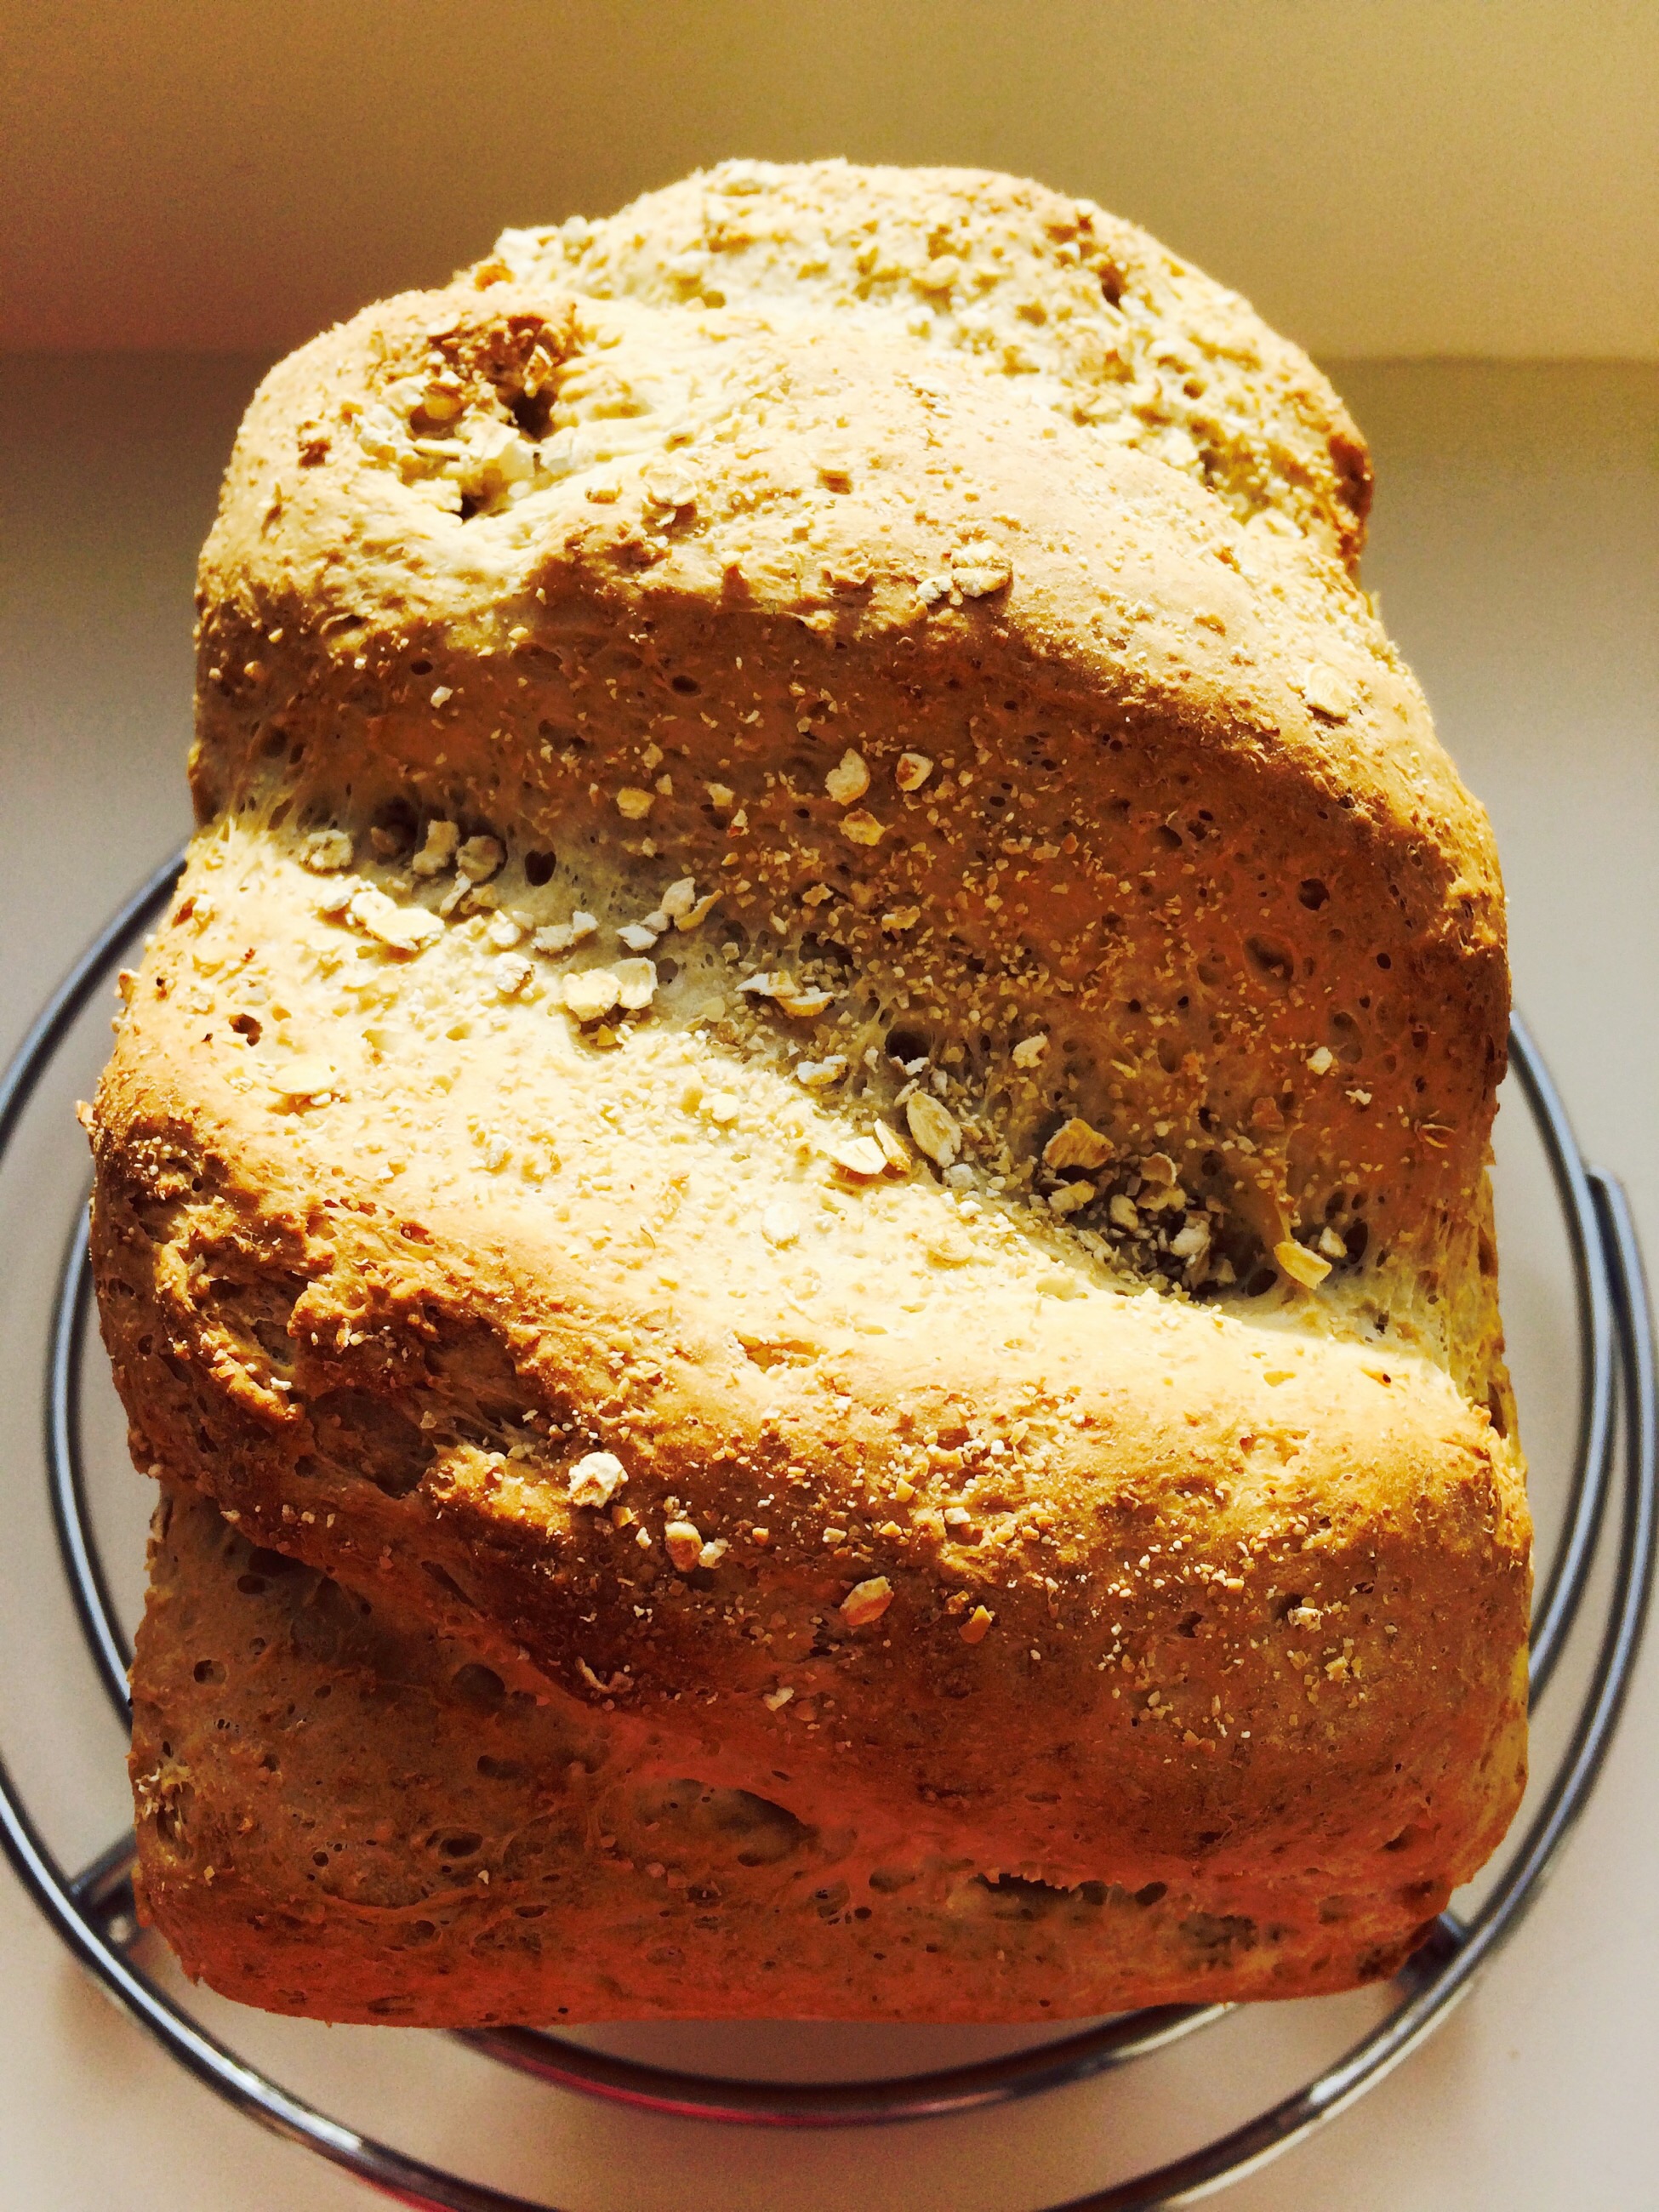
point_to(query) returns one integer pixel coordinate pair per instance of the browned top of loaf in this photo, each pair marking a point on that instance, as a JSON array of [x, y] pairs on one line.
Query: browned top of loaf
[[1050, 295]]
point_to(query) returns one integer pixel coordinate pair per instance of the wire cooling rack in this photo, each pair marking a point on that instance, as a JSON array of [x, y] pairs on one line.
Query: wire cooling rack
[[1607, 1538]]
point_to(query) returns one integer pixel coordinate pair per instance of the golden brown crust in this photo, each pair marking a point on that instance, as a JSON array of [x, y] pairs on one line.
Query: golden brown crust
[[341, 1815], [1051, 294], [1020, 802]]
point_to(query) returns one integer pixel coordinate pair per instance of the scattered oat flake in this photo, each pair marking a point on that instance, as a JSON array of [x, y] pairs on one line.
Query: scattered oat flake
[[684, 1542], [325, 852], [667, 486], [934, 1128], [503, 932], [859, 1156], [862, 828], [479, 859], [912, 771], [695, 916], [1076, 1143], [977, 1625], [633, 804], [819, 1074], [1321, 1060], [721, 797], [1071, 1197], [893, 1148], [866, 1601], [510, 973], [438, 851], [679, 898], [403, 928], [977, 570], [1300, 1264], [304, 1077], [775, 1700], [637, 983], [594, 993], [1327, 692], [848, 780], [595, 1478], [785, 992], [637, 935], [1030, 1050], [559, 936]]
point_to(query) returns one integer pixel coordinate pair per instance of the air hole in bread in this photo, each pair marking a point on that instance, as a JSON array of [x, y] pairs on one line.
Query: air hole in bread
[[479, 1686], [272, 1565], [1019, 1897], [372, 1438], [1270, 959], [1220, 1933]]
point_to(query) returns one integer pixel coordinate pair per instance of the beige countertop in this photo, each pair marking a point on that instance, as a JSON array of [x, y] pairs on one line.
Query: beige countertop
[[1517, 553]]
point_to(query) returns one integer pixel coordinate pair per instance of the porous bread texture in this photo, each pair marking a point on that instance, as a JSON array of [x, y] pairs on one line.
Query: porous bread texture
[[339, 1813], [1073, 306], [1021, 1252]]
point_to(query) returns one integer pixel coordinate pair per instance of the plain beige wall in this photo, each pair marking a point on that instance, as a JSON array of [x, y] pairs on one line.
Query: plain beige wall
[[1382, 177]]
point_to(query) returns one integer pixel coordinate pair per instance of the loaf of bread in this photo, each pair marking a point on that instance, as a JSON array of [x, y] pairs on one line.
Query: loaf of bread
[[811, 1129]]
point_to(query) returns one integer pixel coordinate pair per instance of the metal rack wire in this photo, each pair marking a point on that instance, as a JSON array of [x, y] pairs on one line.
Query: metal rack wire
[[1618, 1420]]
